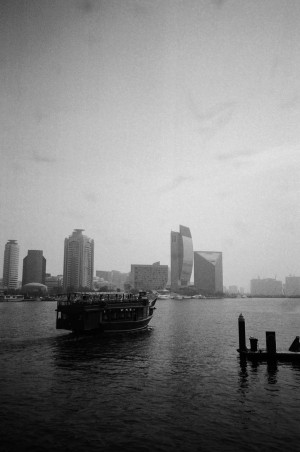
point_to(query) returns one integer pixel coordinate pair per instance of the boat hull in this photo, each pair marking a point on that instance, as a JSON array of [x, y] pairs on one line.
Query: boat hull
[[104, 317], [121, 327]]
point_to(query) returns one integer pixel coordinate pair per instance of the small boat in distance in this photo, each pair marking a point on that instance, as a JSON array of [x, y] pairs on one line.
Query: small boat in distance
[[178, 297], [104, 312], [162, 294], [11, 297], [163, 297]]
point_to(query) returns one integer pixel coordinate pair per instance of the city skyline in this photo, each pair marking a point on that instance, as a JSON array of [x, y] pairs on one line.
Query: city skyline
[[127, 118], [246, 286]]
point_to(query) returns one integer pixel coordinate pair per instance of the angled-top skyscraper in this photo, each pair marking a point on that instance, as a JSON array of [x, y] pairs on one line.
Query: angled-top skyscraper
[[181, 257], [11, 265], [78, 261], [208, 272]]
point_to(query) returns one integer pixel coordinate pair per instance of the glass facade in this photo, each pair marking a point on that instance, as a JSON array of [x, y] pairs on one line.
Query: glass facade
[[181, 257], [208, 272]]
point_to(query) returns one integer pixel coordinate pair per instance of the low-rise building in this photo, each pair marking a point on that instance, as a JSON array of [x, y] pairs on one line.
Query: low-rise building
[[149, 277], [54, 283], [267, 287], [292, 286]]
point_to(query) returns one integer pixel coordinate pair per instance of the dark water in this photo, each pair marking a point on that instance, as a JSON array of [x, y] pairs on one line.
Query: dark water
[[177, 386]]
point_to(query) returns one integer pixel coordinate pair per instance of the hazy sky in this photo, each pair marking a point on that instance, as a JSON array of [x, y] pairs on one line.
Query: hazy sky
[[129, 117]]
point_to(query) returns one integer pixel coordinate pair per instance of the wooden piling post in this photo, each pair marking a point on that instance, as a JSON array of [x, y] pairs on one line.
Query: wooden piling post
[[242, 333], [271, 342]]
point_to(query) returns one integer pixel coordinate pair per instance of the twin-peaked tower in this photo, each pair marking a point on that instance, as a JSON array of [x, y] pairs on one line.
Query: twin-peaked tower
[[78, 261], [208, 266], [181, 257]]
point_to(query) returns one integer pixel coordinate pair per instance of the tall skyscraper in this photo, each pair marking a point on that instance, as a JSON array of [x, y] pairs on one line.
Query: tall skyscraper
[[181, 257], [78, 261], [11, 265], [34, 268], [208, 272]]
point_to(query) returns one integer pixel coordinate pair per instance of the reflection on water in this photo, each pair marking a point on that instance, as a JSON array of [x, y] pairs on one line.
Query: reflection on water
[[272, 370], [72, 349], [253, 366]]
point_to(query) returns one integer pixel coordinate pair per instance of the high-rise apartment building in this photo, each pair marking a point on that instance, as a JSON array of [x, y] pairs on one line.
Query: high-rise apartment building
[[11, 265], [149, 277], [208, 272], [34, 268], [181, 257], [78, 261]]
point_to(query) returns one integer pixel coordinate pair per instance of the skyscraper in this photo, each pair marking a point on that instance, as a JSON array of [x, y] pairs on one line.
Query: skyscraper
[[181, 257], [11, 265], [208, 272], [78, 261], [34, 268]]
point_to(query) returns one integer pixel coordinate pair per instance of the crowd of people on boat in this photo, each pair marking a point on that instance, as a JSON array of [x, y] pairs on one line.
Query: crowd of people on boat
[[91, 298]]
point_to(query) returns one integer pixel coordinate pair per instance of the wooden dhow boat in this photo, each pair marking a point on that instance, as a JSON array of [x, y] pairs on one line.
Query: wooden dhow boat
[[104, 312]]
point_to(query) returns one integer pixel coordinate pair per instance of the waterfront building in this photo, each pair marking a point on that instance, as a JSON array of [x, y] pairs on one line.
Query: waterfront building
[[149, 277], [106, 275], [11, 265], [181, 257], [233, 290], [54, 283], [34, 268], [267, 287], [208, 272], [34, 290], [78, 261], [113, 278], [292, 286]]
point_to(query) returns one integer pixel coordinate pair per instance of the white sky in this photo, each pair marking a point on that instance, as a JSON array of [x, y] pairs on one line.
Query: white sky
[[129, 117]]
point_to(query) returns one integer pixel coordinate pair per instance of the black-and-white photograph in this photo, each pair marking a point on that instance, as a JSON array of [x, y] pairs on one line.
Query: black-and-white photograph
[[150, 225]]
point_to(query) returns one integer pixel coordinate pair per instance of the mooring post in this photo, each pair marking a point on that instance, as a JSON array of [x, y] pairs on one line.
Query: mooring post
[[242, 333], [271, 342]]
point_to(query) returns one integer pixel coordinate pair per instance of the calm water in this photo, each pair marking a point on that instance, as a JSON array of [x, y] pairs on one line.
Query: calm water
[[177, 386]]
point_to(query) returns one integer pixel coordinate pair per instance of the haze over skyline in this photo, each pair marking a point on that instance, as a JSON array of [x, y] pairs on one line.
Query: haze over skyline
[[127, 118]]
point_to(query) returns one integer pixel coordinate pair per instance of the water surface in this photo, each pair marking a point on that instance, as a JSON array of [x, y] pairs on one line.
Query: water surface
[[177, 386]]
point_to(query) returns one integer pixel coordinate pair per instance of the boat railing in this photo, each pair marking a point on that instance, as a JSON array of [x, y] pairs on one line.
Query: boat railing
[[102, 302]]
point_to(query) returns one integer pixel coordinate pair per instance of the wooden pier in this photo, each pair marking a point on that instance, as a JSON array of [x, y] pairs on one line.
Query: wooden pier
[[268, 354]]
